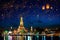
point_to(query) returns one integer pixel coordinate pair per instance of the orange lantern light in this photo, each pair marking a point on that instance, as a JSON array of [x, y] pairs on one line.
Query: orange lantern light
[[43, 7], [47, 6]]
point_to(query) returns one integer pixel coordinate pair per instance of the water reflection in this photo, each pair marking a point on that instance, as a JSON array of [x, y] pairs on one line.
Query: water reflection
[[59, 37], [29, 38], [42, 38], [37, 37], [51, 37]]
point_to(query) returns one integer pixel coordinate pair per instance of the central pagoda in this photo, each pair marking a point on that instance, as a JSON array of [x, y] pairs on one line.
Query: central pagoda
[[21, 28]]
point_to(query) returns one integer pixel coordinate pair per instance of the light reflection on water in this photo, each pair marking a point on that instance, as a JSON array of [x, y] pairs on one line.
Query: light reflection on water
[[51, 37], [59, 37], [42, 38]]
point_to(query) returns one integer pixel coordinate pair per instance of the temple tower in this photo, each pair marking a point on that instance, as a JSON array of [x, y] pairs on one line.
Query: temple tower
[[21, 26]]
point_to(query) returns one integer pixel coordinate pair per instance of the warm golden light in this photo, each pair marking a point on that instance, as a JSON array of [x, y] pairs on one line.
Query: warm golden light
[[21, 21], [15, 31], [47, 6], [43, 7]]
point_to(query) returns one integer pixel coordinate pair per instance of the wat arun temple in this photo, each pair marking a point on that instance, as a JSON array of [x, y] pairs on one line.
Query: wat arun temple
[[18, 34], [21, 28]]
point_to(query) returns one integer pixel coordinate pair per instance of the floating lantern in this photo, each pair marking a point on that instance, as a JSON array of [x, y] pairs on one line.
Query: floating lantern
[[47, 6], [43, 7]]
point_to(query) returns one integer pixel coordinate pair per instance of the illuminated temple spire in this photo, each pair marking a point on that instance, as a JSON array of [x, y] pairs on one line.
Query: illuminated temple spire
[[21, 21], [21, 26]]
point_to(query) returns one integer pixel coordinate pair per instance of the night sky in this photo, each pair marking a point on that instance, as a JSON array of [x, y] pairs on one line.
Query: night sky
[[36, 13]]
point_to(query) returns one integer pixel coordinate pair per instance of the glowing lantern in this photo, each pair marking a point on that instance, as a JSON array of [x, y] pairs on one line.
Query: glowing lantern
[[43, 7], [51, 7], [47, 6]]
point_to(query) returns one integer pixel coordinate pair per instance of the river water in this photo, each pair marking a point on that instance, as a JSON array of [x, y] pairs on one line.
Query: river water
[[38, 38]]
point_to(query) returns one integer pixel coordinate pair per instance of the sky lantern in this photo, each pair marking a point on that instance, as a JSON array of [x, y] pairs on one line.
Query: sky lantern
[[43, 7], [51, 7], [47, 6]]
